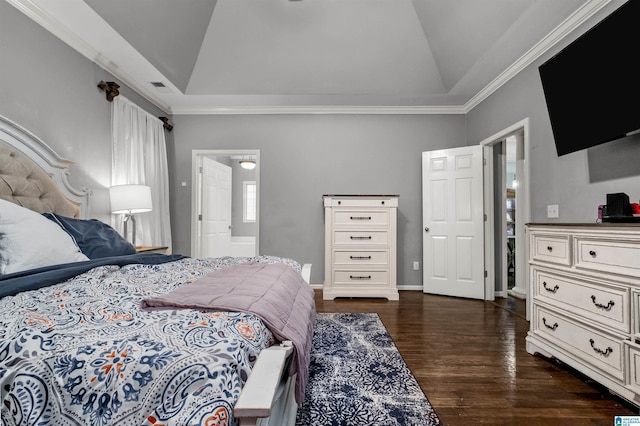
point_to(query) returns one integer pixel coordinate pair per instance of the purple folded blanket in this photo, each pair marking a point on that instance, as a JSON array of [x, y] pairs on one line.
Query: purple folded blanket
[[274, 292]]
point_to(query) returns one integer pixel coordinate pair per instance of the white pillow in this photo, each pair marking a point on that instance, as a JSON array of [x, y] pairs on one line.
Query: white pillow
[[29, 240]]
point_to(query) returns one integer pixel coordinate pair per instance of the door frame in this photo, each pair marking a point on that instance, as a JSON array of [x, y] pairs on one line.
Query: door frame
[[196, 189], [524, 204]]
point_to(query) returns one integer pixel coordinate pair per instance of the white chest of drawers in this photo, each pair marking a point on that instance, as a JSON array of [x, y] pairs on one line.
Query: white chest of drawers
[[360, 246], [585, 301]]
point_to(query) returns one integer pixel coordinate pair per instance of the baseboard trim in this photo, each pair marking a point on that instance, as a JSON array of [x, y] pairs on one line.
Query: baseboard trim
[[517, 293], [410, 287], [413, 287]]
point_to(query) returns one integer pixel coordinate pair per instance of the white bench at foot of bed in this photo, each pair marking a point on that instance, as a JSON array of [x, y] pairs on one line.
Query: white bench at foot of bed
[[268, 396], [306, 272]]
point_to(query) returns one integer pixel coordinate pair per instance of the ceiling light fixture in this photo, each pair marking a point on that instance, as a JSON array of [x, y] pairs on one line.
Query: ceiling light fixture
[[248, 164]]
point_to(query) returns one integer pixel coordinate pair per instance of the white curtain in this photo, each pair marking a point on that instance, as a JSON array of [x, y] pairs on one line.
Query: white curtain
[[139, 156]]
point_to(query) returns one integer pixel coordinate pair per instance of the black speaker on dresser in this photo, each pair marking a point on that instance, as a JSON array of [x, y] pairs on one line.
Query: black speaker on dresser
[[618, 209]]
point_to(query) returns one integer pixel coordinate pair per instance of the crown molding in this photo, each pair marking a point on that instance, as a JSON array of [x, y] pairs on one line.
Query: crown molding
[[42, 18], [319, 109], [587, 10], [576, 19], [124, 77]]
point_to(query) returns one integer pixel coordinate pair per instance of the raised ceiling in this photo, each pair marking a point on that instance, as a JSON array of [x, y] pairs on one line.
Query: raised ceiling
[[440, 56]]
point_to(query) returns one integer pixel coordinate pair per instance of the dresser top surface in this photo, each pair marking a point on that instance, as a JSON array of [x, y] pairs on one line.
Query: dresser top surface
[[586, 225], [360, 195], [363, 201]]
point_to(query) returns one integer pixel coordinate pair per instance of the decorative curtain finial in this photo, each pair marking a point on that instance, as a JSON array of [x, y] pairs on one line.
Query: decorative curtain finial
[[166, 124], [110, 88]]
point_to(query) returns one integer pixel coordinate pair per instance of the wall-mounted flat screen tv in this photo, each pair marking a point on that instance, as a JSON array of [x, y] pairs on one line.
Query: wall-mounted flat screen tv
[[592, 86]]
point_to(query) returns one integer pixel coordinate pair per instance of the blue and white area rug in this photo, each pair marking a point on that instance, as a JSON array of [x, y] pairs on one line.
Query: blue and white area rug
[[358, 377]]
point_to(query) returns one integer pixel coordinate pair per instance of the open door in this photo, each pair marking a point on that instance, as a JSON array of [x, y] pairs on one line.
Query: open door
[[216, 209], [453, 222]]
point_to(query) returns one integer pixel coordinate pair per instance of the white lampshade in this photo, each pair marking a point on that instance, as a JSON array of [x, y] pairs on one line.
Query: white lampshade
[[130, 199]]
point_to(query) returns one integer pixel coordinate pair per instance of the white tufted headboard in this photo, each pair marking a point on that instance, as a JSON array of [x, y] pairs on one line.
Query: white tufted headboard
[[34, 176]]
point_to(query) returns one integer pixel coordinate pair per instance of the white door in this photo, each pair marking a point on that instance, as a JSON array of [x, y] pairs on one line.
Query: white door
[[453, 222], [216, 209]]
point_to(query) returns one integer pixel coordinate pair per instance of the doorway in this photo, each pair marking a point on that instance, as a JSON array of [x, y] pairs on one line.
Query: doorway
[[511, 189], [229, 225], [507, 189]]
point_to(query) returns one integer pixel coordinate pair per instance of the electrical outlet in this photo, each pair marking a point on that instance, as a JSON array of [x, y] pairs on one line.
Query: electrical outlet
[[416, 266], [552, 211]]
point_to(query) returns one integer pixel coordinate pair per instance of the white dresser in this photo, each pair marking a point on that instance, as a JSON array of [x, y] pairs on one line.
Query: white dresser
[[585, 300], [360, 246]]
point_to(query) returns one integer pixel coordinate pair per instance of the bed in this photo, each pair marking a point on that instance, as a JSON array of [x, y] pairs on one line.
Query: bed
[[92, 332]]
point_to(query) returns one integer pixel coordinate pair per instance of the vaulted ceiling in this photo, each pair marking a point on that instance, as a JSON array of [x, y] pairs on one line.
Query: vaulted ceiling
[[216, 56]]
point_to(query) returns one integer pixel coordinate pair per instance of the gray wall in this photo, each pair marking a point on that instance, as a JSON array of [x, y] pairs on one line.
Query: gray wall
[[51, 90], [303, 157], [576, 182]]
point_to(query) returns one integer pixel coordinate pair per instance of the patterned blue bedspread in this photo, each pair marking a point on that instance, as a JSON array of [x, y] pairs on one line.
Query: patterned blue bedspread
[[83, 353]]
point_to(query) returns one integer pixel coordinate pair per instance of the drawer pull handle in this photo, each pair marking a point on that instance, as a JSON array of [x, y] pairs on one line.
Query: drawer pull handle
[[592, 253], [360, 217], [360, 257], [604, 353], [550, 327], [360, 277], [549, 248], [360, 238], [550, 290], [606, 307]]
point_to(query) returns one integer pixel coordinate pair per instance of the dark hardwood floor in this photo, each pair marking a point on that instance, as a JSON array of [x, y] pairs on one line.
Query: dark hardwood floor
[[469, 357]]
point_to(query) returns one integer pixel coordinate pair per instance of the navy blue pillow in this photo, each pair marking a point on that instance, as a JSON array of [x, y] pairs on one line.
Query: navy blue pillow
[[94, 238]]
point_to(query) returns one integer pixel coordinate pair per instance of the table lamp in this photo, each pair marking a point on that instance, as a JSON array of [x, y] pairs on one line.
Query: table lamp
[[129, 200]]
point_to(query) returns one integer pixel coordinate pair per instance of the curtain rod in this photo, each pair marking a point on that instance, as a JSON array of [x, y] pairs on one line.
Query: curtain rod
[[111, 91], [110, 88]]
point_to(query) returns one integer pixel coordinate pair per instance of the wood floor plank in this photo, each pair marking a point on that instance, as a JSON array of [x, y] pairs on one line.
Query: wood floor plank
[[469, 357]]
